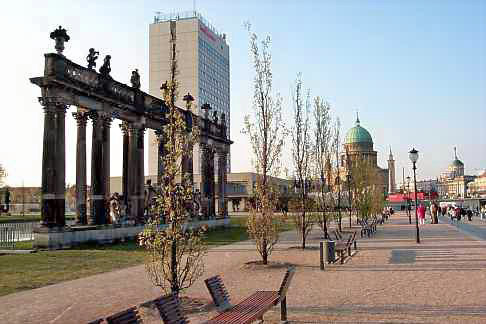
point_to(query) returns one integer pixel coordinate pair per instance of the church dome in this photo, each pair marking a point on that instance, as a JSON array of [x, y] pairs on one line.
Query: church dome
[[457, 163], [358, 134]]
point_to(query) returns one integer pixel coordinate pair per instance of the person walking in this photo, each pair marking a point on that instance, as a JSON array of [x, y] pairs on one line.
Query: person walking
[[457, 213], [434, 209], [421, 214]]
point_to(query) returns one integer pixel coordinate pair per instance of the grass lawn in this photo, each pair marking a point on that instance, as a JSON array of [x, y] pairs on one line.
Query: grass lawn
[[28, 217], [28, 271]]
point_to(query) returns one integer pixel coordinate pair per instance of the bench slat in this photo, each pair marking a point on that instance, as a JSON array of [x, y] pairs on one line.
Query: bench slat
[[250, 309]]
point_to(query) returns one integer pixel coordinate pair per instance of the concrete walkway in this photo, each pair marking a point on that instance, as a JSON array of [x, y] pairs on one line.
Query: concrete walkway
[[391, 279]]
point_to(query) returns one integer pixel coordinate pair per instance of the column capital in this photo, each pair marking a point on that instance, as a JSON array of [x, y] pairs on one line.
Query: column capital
[[93, 115], [124, 126], [81, 118], [107, 120]]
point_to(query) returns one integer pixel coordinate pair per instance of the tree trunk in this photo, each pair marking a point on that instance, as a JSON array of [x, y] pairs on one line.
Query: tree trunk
[[303, 230], [265, 252], [325, 225], [173, 257]]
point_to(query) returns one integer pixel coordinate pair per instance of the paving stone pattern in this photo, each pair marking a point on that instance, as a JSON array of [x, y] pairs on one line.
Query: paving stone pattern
[[390, 280]]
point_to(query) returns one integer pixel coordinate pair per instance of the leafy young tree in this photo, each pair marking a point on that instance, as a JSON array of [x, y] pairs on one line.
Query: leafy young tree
[[322, 138], [367, 194], [301, 154], [175, 254], [266, 131]]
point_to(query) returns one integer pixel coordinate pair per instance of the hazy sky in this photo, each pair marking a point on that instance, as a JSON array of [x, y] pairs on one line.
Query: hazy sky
[[415, 70]]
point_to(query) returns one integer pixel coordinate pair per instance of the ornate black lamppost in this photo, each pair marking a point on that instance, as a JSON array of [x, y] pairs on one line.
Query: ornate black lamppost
[[413, 154], [408, 201]]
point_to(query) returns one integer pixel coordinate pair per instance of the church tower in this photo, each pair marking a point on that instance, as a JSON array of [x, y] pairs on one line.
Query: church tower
[[391, 173]]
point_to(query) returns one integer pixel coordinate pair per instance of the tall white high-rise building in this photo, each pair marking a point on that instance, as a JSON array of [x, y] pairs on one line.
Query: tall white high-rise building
[[203, 66]]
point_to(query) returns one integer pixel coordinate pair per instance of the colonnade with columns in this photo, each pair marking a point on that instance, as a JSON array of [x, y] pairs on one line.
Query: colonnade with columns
[[54, 165]]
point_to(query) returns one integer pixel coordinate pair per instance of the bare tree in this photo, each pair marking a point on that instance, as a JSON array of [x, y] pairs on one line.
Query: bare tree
[[336, 144], [322, 138], [301, 154], [266, 131], [175, 254]]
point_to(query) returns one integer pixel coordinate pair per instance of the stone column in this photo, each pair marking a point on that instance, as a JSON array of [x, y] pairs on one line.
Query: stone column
[[135, 172], [49, 172], [204, 181], [141, 176], [160, 156], [222, 207], [124, 128], [81, 217], [211, 184], [98, 208], [61, 165], [106, 157]]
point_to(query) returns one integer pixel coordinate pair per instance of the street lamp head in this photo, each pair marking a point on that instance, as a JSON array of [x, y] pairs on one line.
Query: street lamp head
[[413, 154]]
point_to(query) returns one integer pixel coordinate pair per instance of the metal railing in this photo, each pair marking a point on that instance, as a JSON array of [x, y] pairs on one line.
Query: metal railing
[[10, 233], [162, 17]]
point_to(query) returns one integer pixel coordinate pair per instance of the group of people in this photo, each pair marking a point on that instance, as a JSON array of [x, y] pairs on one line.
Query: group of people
[[455, 212], [434, 213], [458, 212]]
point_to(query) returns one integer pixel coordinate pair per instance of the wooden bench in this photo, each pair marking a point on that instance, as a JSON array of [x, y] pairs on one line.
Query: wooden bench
[[340, 237], [366, 228], [170, 311], [128, 316], [345, 245], [251, 308]]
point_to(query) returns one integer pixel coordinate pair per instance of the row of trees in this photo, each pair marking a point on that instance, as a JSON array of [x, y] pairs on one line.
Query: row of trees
[[315, 156], [175, 254]]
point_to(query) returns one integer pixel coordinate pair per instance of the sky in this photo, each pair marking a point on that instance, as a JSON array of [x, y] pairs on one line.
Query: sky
[[415, 71]]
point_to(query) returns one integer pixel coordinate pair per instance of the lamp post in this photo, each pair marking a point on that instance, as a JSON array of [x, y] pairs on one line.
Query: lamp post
[[408, 201], [413, 154]]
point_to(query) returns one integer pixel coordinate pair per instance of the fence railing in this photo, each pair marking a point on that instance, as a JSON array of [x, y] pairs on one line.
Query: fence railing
[[10, 233]]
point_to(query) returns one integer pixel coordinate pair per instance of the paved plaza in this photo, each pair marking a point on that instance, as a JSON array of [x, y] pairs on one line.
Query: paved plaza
[[391, 279]]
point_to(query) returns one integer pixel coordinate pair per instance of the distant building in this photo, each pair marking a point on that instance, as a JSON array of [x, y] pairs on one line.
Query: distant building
[[203, 70], [477, 188], [239, 188], [453, 183], [359, 144]]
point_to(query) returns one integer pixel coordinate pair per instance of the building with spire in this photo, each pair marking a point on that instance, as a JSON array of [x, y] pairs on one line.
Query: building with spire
[[391, 173], [453, 182], [358, 144]]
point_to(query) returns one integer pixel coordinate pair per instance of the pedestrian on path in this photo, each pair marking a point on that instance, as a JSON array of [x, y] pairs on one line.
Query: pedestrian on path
[[421, 213], [457, 213], [434, 210]]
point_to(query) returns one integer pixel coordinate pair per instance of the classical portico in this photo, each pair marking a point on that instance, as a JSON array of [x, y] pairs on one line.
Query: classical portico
[[99, 99]]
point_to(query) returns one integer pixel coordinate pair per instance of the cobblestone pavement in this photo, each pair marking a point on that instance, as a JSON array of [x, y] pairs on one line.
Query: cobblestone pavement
[[390, 279]]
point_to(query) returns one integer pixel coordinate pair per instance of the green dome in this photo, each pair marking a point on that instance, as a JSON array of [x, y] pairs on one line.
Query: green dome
[[358, 134], [457, 163]]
